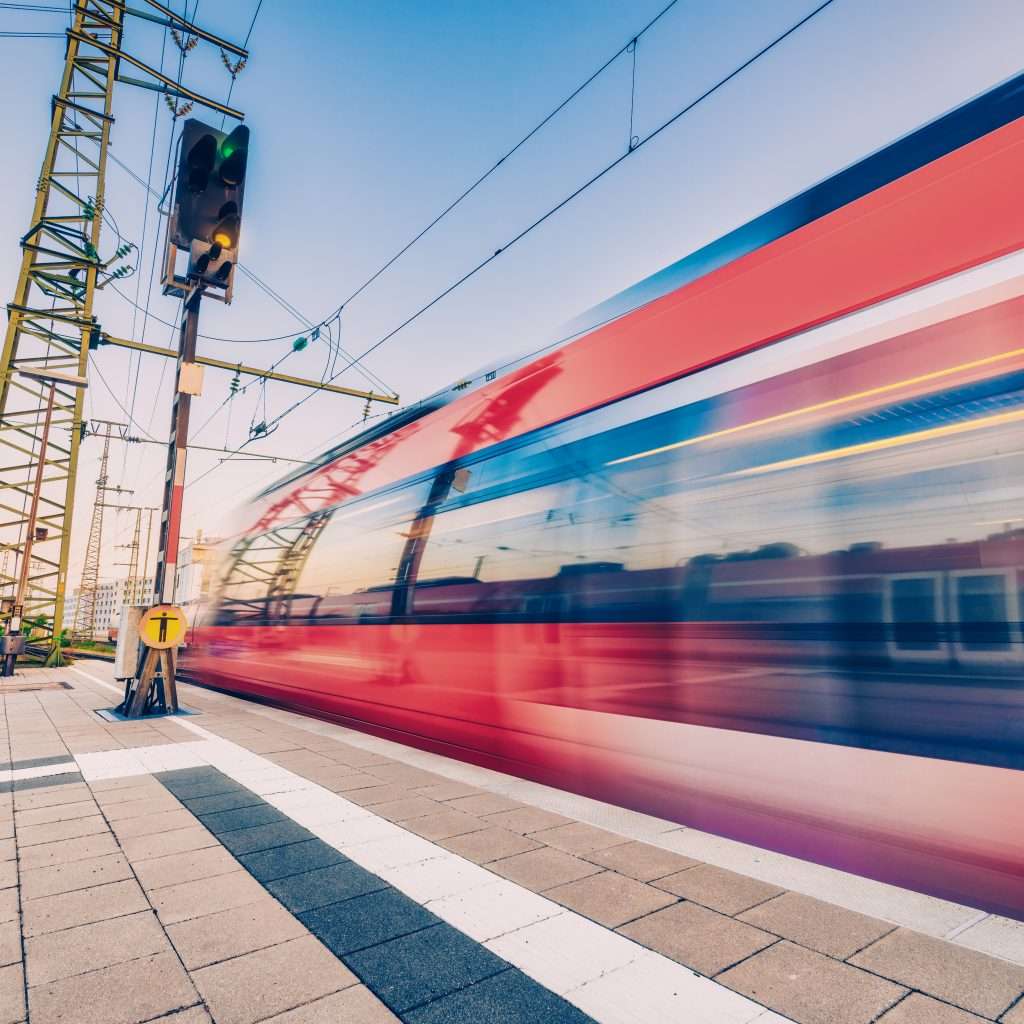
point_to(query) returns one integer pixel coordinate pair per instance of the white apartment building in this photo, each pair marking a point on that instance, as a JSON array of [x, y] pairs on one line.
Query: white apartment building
[[110, 597]]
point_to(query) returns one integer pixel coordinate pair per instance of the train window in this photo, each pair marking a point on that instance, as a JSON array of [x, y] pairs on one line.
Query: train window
[[350, 573], [982, 602], [915, 612]]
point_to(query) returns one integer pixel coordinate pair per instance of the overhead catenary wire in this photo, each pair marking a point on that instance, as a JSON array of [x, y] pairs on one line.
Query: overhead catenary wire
[[630, 151]]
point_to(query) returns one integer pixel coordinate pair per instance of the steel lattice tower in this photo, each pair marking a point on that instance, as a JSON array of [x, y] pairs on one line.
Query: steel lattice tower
[[85, 610]]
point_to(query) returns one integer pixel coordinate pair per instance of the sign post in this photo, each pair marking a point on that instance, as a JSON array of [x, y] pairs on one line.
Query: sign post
[[161, 630]]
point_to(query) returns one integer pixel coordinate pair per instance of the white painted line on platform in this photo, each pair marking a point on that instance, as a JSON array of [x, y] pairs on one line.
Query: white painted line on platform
[[99, 682]]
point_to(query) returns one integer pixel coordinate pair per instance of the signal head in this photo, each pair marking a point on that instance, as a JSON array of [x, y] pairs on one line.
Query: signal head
[[234, 153]]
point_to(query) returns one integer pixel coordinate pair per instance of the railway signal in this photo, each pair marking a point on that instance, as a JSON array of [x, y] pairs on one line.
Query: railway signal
[[208, 202]]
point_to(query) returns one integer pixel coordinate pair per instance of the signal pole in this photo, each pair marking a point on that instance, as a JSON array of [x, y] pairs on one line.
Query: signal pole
[[177, 451]]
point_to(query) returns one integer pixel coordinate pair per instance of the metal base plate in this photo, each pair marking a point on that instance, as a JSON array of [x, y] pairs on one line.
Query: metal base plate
[[110, 715]]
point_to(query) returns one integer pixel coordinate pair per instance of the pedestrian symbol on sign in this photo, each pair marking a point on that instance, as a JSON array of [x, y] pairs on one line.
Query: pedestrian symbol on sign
[[163, 626]]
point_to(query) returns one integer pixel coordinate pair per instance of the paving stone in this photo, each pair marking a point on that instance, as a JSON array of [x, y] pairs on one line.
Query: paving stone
[[405, 775], [527, 819], [214, 787], [818, 925], [355, 1005], [191, 866], [264, 837], [919, 1009], [444, 824], [352, 781], [641, 861], [973, 981], [56, 812], [10, 943], [205, 896], [12, 994], [9, 909], [489, 844], [721, 890], [323, 886], [609, 898], [366, 921], [810, 988], [81, 874], [447, 791], [90, 947], [241, 817], [484, 803], [542, 869], [577, 837], [259, 985], [223, 802], [45, 792], [105, 788], [8, 874], [372, 795], [425, 965], [55, 831], [700, 938], [209, 939], [293, 859], [67, 851], [152, 824], [506, 998], [109, 799], [163, 844], [141, 808], [125, 993], [83, 906]]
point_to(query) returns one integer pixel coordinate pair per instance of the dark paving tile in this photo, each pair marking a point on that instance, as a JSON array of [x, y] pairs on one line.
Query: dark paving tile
[[191, 790], [327, 885], [18, 785], [426, 965], [203, 773], [264, 837], [241, 817], [293, 859], [227, 801], [366, 921], [37, 762], [506, 998]]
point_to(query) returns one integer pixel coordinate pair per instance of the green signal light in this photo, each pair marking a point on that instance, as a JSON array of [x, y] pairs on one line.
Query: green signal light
[[227, 148]]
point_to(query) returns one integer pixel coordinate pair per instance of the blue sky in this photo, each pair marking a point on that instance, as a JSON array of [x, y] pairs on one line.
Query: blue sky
[[368, 119]]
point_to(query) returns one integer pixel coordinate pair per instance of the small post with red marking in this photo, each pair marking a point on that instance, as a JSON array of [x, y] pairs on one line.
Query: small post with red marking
[[153, 687]]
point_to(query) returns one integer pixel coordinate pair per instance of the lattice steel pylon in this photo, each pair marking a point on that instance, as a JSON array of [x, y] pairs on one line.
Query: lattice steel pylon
[[85, 609], [50, 322], [51, 318]]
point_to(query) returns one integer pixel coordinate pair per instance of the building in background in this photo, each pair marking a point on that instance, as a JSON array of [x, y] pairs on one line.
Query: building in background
[[110, 597]]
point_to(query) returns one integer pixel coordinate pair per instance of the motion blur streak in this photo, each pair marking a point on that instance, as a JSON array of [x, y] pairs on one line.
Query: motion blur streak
[[748, 557]]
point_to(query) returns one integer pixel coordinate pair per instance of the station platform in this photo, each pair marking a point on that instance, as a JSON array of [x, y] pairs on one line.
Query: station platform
[[246, 864]]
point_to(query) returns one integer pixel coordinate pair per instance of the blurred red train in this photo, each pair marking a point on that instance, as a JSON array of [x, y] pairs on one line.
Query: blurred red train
[[746, 553]]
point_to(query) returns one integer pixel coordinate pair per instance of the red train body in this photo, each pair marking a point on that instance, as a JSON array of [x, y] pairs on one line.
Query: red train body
[[749, 557]]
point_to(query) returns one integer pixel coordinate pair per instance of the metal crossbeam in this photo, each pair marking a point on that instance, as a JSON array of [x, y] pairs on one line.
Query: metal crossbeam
[[251, 371]]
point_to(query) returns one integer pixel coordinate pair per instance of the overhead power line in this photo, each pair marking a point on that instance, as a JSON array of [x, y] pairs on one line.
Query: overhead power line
[[633, 148]]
